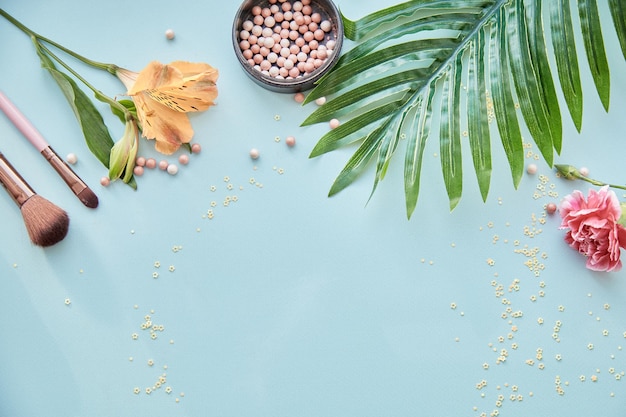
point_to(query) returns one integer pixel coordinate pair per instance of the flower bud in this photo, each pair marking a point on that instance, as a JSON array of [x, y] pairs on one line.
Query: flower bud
[[124, 152], [568, 172]]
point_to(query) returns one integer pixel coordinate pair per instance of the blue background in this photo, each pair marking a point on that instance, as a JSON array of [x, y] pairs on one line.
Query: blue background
[[287, 302]]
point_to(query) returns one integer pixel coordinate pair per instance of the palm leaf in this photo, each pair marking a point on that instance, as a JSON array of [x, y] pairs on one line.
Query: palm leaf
[[408, 57]]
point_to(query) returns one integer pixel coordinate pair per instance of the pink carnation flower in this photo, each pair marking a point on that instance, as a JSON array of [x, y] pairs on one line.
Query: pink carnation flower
[[593, 227]]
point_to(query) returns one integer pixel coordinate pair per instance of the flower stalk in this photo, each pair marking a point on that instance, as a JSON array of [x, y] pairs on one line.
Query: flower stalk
[[162, 95], [572, 173], [37, 38]]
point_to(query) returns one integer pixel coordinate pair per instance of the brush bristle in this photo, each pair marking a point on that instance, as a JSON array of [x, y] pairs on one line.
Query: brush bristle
[[45, 222], [88, 198]]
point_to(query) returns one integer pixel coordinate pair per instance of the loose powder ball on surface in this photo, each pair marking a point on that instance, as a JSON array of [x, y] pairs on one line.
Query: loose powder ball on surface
[[172, 169]]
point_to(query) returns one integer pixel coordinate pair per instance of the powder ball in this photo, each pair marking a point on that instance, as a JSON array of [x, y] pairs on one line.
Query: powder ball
[[71, 158], [138, 170], [254, 153], [183, 159], [172, 169], [169, 34]]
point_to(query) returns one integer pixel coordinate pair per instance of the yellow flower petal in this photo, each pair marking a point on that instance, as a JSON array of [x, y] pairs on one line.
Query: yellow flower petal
[[181, 86], [163, 94], [170, 128]]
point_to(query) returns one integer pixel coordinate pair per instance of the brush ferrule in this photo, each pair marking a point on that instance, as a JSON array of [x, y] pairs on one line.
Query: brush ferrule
[[69, 176], [18, 188]]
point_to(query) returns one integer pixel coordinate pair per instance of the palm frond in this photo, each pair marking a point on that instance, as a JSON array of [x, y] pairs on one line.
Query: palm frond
[[385, 87]]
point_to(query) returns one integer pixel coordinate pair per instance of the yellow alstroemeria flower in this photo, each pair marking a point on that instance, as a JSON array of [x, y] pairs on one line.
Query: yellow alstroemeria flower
[[164, 94]]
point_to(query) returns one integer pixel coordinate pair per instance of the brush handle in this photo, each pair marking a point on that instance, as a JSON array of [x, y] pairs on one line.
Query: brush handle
[[77, 185], [21, 122], [18, 188], [69, 176]]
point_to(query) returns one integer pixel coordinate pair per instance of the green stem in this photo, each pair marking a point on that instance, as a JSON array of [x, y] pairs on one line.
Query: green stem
[[600, 183], [99, 95], [570, 172], [111, 68]]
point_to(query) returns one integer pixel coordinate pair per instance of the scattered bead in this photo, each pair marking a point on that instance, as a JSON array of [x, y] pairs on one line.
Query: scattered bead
[[290, 141], [169, 34], [254, 153], [196, 148], [105, 181], [138, 170], [320, 101], [163, 164], [151, 163], [172, 169], [299, 97], [531, 169], [71, 158], [551, 208], [334, 123], [584, 171], [183, 159]]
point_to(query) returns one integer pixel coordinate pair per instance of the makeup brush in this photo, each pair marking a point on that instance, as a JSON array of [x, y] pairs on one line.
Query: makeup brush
[[78, 186], [46, 223]]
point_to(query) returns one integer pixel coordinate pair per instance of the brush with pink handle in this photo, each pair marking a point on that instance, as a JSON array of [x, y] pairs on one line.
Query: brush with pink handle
[[78, 186]]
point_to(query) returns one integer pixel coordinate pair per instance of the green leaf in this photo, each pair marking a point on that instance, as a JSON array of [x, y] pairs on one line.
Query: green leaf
[[388, 145], [417, 133], [347, 102], [404, 54], [344, 133], [455, 22], [477, 116], [594, 46], [618, 14], [503, 105], [355, 30], [128, 104], [358, 162], [541, 66], [529, 92], [566, 58], [383, 60], [450, 133], [96, 134]]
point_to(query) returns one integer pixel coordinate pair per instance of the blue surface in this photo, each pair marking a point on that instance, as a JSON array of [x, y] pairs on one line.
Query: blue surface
[[287, 302]]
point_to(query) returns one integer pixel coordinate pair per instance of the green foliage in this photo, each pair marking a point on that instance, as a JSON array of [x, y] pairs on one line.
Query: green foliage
[[96, 134], [494, 50]]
